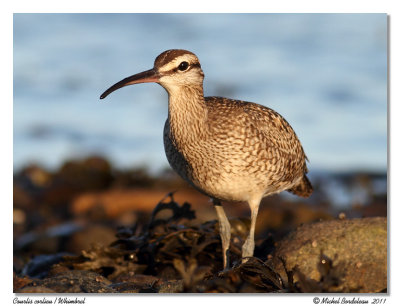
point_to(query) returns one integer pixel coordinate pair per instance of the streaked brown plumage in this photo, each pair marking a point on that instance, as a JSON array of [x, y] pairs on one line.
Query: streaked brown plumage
[[228, 149]]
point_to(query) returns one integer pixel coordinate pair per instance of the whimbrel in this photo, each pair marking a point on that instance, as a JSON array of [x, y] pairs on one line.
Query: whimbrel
[[230, 150]]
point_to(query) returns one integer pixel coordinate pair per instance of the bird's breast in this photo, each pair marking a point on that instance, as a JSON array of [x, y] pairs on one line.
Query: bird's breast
[[223, 167]]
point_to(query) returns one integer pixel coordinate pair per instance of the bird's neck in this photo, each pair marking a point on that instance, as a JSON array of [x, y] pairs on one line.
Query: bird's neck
[[187, 113]]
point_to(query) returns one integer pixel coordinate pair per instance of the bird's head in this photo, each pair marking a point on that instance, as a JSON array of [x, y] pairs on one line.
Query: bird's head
[[173, 69]]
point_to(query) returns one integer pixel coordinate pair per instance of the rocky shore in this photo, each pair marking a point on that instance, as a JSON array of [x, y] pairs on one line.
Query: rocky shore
[[88, 227]]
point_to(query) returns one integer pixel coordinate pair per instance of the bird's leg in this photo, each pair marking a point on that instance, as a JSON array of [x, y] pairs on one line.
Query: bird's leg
[[248, 246], [224, 231]]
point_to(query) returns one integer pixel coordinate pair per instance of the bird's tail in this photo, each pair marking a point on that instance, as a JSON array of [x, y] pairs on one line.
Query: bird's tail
[[303, 189]]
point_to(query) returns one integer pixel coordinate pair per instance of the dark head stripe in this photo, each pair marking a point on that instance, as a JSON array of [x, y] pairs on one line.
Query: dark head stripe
[[169, 55]]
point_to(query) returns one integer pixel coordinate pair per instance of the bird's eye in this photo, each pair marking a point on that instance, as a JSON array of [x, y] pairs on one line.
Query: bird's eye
[[183, 66]]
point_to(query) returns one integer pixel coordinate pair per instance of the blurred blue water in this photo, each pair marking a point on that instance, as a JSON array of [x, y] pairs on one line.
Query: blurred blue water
[[325, 73]]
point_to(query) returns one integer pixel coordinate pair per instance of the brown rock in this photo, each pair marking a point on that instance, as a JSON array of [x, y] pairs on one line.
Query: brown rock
[[37, 289], [116, 202], [71, 282], [91, 234], [133, 283], [19, 282], [357, 249]]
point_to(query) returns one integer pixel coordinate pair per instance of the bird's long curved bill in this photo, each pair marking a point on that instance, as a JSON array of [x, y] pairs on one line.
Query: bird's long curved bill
[[142, 77]]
